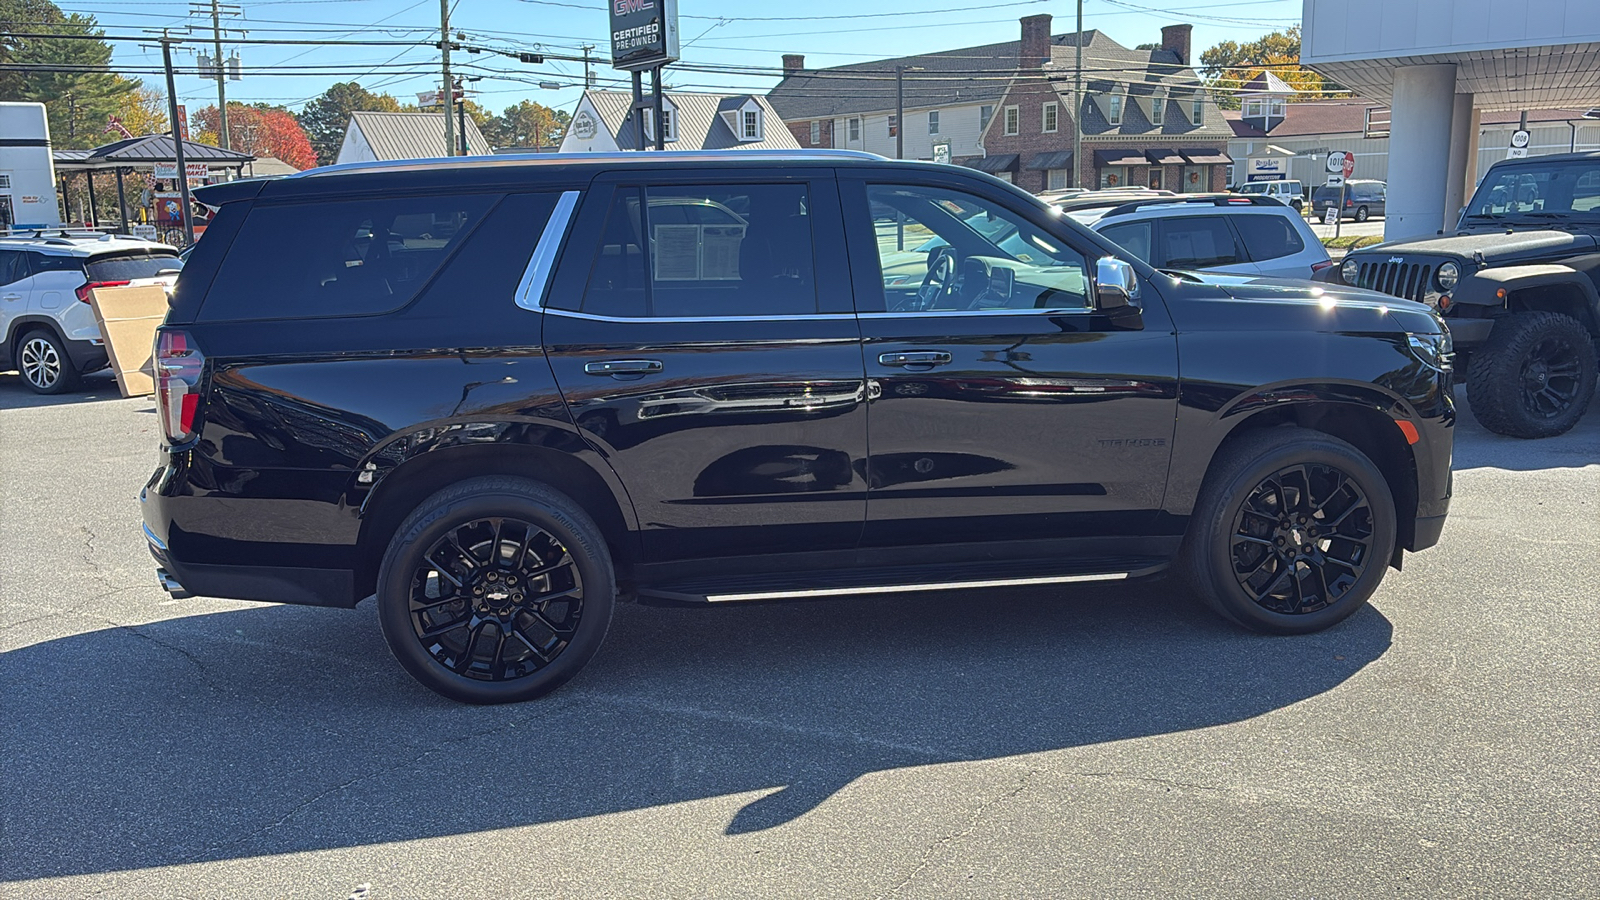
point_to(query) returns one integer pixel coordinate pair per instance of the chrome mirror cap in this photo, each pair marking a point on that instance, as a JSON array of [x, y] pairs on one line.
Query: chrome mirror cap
[[1115, 284]]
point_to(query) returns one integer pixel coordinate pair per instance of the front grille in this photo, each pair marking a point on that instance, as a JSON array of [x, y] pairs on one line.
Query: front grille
[[1397, 279]]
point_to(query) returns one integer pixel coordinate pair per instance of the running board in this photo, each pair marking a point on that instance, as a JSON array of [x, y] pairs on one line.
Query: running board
[[901, 579]]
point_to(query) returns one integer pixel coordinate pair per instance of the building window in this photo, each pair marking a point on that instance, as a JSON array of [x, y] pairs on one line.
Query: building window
[[1275, 108], [855, 131], [1114, 109], [816, 133], [1196, 180], [1252, 109], [669, 128], [1013, 120], [1055, 179], [752, 125], [933, 122], [1197, 111], [1158, 110], [985, 113], [1051, 112]]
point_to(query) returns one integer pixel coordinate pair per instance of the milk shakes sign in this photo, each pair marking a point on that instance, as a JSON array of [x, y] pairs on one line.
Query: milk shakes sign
[[644, 33]]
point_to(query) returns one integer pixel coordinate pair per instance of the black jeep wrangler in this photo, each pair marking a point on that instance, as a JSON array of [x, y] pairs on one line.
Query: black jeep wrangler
[[1517, 285], [501, 393]]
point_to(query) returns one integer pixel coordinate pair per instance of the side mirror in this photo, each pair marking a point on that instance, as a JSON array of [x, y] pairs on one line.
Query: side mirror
[[1115, 285], [1002, 282]]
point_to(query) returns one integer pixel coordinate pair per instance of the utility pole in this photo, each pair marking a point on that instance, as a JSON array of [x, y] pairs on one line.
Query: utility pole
[[217, 8], [449, 85], [588, 77], [461, 111], [177, 141], [899, 112], [1077, 105]]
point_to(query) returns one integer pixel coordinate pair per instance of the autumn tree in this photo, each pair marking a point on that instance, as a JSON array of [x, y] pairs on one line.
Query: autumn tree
[[1228, 65], [527, 124], [326, 118], [142, 111], [62, 74], [259, 129]]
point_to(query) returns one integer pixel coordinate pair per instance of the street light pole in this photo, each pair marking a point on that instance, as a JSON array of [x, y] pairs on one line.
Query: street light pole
[[177, 144], [1077, 105]]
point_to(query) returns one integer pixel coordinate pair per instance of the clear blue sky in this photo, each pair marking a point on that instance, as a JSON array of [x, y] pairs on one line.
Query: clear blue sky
[[718, 32]]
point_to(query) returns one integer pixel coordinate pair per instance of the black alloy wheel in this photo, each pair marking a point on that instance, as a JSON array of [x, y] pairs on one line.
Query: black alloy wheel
[[496, 599], [1534, 377], [1302, 539], [495, 590], [1291, 533]]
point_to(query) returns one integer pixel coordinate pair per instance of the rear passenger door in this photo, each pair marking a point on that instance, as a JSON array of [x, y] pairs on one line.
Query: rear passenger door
[[704, 336]]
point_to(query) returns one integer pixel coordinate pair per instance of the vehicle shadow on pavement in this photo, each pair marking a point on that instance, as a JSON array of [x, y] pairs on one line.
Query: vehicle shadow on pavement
[[272, 730], [14, 394], [1477, 447]]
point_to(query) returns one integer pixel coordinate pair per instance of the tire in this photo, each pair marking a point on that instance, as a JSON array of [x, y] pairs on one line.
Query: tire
[[1533, 377], [43, 363], [1361, 214], [1299, 207], [1231, 555], [474, 632]]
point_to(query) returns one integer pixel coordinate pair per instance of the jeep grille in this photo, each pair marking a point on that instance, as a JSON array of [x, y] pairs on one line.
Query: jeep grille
[[1409, 280]]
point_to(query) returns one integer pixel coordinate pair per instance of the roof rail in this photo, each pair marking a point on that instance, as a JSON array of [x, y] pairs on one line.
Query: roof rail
[[1197, 199], [550, 159]]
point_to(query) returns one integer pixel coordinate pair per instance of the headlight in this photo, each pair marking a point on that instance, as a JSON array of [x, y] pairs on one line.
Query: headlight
[[1448, 275], [1350, 271], [1433, 350]]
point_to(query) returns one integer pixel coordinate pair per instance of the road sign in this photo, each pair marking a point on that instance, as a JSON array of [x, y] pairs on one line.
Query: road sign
[[1330, 216], [1516, 152], [1342, 162], [1520, 138], [644, 33], [1335, 180], [941, 152]]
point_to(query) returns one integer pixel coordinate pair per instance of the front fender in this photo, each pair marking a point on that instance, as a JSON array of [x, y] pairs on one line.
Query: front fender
[[1485, 287]]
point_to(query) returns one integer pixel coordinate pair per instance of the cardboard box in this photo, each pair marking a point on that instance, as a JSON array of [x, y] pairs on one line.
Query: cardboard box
[[128, 318]]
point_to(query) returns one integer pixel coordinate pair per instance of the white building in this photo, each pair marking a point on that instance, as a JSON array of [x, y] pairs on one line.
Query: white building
[[27, 173], [379, 136], [602, 122]]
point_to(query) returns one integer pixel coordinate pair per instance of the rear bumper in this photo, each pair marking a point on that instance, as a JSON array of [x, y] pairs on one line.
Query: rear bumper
[[88, 356]]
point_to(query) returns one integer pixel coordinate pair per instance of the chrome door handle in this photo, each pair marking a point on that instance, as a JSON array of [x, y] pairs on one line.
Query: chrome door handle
[[915, 358], [623, 367], [11, 297]]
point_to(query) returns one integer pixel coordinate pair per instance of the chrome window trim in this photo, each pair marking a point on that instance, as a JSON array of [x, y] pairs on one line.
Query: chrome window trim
[[643, 319], [1053, 311], [536, 277]]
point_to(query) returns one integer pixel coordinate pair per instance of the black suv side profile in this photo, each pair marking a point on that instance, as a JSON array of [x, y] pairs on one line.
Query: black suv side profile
[[1517, 283], [500, 394]]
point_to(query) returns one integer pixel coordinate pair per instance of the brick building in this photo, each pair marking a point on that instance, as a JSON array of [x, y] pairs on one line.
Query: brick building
[[1147, 118]]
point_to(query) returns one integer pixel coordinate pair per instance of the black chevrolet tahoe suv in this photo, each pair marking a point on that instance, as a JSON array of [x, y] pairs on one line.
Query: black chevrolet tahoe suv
[[499, 394], [1517, 284]]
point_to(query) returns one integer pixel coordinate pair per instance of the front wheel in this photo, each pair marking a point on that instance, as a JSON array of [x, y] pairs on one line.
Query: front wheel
[[495, 590], [44, 364], [1361, 214], [1291, 532], [1534, 377]]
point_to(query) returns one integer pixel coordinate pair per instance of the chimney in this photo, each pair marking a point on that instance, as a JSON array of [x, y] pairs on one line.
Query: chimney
[[1034, 51], [793, 63], [1176, 39]]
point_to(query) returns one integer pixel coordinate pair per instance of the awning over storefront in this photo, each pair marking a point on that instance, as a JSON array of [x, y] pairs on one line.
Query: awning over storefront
[[1105, 158], [1004, 162], [1163, 157], [1060, 159], [1206, 156]]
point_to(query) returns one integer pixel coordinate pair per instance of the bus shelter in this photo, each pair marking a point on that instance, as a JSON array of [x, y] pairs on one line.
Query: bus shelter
[[153, 154]]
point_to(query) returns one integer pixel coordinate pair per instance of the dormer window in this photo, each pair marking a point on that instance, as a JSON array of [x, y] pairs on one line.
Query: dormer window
[[1114, 109], [1197, 110], [669, 125], [1252, 109], [1158, 108], [751, 128], [1276, 108], [747, 123]]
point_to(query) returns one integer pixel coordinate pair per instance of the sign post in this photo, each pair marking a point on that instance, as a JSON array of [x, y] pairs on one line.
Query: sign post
[[644, 37], [1343, 164]]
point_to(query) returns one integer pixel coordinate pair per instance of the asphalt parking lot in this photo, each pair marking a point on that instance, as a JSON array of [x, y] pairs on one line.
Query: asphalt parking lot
[[1022, 743]]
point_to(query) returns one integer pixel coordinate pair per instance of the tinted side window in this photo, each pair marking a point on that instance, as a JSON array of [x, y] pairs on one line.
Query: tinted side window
[[1133, 237], [12, 266], [1197, 242], [485, 274], [734, 250], [338, 258], [1268, 237], [43, 263]]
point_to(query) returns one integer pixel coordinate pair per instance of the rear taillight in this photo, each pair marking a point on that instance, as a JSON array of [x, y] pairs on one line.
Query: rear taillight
[[1349, 203], [178, 366], [1319, 266], [84, 289]]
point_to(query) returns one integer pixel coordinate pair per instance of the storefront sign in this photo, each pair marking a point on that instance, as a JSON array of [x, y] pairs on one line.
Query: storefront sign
[[1267, 168], [644, 33], [169, 171], [147, 232], [941, 152]]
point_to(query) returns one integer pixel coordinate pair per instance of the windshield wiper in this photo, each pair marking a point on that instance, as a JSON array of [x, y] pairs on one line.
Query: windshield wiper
[[1482, 216]]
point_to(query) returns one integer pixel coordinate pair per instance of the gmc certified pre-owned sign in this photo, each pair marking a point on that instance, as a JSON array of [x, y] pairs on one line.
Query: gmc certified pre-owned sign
[[644, 33]]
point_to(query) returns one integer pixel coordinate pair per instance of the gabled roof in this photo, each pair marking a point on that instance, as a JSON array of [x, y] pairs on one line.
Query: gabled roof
[[412, 135], [699, 127], [159, 148], [870, 86], [1267, 83], [1140, 75], [1349, 116]]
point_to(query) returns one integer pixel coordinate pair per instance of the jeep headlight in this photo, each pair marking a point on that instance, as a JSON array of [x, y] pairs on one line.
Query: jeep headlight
[[1447, 276], [1436, 351], [1350, 271]]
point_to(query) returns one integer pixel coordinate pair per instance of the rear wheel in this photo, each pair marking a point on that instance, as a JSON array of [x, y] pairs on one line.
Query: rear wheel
[[1361, 214], [495, 590], [1534, 377], [1291, 532], [44, 364]]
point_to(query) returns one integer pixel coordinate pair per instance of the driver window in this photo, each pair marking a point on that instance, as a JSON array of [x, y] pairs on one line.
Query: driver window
[[944, 250]]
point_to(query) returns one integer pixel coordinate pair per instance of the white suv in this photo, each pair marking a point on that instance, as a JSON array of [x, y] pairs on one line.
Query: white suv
[[50, 335], [1289, 193], [1225, 233]]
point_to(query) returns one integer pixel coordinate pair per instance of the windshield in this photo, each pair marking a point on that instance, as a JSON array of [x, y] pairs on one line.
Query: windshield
[[1259, 187], [1539, 191]]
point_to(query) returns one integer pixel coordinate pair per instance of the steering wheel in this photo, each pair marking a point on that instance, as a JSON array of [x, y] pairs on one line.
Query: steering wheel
[[940, 279]]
